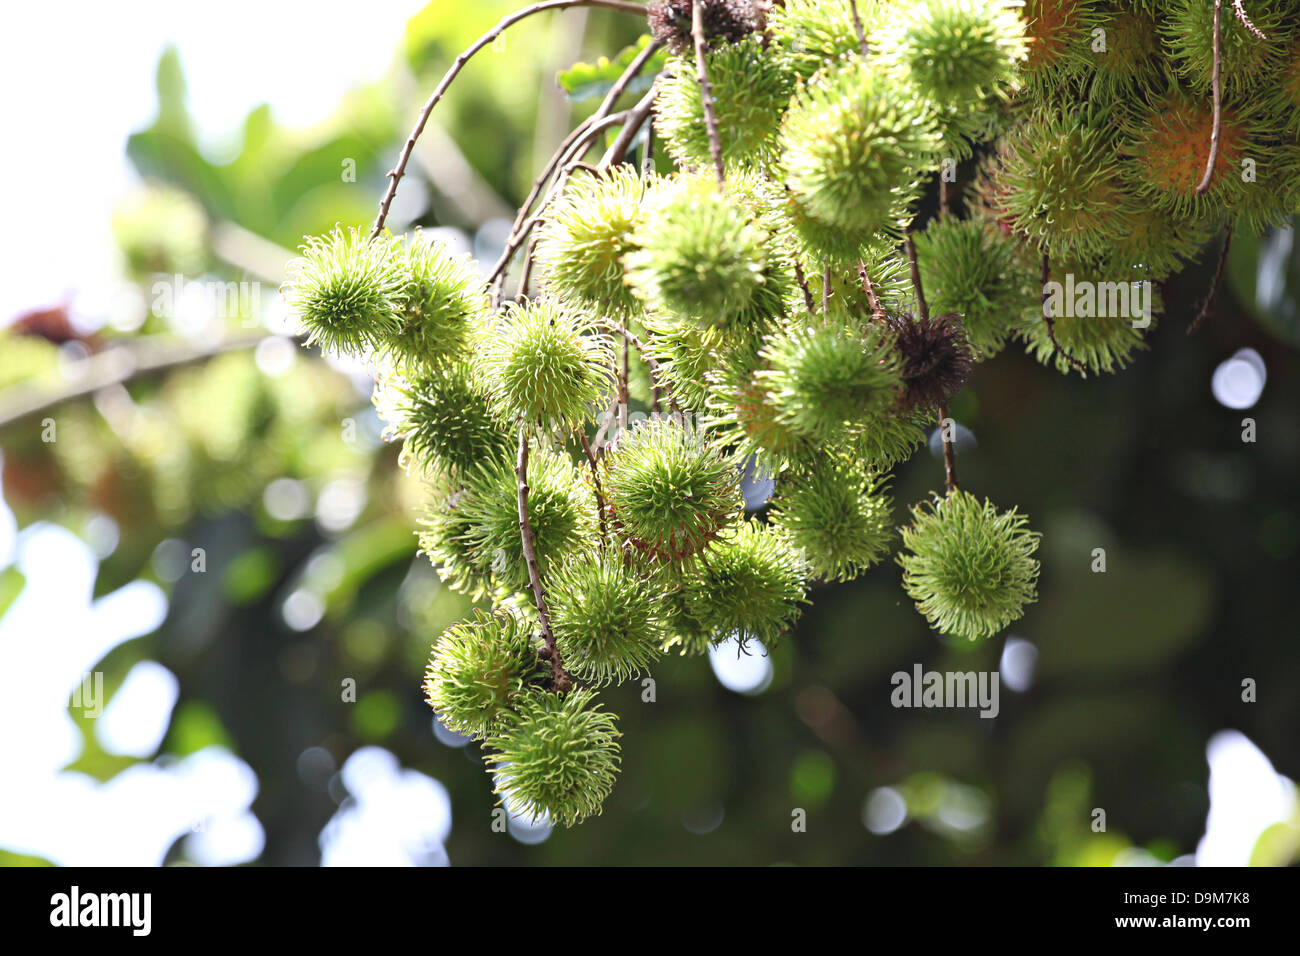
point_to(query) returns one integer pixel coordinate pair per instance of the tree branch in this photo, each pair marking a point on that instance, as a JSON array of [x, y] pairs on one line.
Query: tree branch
[[116, 366], [396, 173], [560, 681], [1208, 306], [857, 26], [595, 480], [706, 90], [922, 309], [949, 452], [1216, 86]]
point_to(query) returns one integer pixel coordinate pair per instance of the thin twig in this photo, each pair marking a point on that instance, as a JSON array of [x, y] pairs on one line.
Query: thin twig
[[622, 381], [803, 285], [595, 480], [1245, 20], [1216, 87], [857, 25], [877, 311], [659, 379], [1208, 306], [945, 198], [826, 291], [636, 118], [1045, 276], [922, 310], [560, 681], [949, 451], [575, 147], [396, 173], [706, 90]]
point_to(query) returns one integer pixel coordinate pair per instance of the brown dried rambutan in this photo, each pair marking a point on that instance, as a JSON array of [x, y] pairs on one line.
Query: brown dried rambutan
[[725, 20], [937, 359]]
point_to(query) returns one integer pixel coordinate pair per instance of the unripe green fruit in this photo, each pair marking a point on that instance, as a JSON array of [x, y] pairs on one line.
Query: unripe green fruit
[[556, 756], [1102, 342], [837, 512], [749, 585], [348, 292], [543, 363], [560, 510], [970, 268], [814, 33], [751, 88], [957, 53], [853, 145], [969, 568], [588, 231], [444, 297], [822, 378], [608, 615], [442, 419], [1187, 27], [668, 492], [700, 256], [1062, 184], [477, 667], [444, 527]]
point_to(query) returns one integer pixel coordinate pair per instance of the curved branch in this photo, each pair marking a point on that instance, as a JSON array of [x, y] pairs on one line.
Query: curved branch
[[396, 173]]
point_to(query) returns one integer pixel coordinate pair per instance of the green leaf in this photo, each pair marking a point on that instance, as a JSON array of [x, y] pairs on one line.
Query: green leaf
[[585, 81], [11, 585]]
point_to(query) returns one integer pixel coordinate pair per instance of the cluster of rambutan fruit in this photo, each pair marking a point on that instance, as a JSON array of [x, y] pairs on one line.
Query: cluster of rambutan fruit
[[767, 294]]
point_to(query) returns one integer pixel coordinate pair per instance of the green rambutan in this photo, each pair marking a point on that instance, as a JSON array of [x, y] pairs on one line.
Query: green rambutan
[[587, 232], [442, 418], [477, 667], [1095, 308], [1061, 186], [701, 256], [1187, 27], [347, 291], [444, 536], [607, 612], [959, 54], [853, 145], [751, 89], [748, 585], [555, 756], [560, 511], [815, 33], [885, 442], [543, 363], [823, 377], [969, 568], [838, 513], [444, 298], [970, 268], [668, 492]]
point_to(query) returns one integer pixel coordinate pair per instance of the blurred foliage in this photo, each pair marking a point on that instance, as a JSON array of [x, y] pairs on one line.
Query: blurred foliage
[[275, 470]]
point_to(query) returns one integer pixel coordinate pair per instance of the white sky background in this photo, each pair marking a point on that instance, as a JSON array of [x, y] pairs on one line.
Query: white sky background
[[78, 79]]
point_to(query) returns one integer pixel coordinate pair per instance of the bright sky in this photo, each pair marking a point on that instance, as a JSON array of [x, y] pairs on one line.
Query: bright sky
[[78, 79]]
